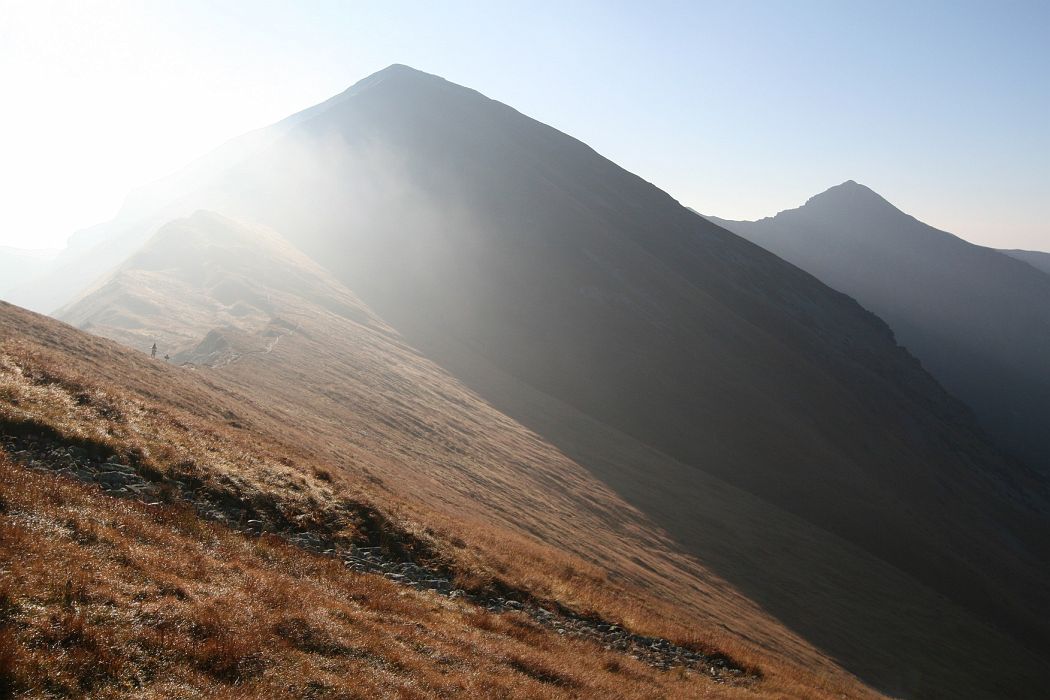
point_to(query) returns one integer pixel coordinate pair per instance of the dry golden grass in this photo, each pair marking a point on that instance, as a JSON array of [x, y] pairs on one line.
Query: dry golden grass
[[103, 598], [37, 394], [157, 576]]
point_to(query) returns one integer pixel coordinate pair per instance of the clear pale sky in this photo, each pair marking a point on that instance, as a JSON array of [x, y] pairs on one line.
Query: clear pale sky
[[739, 109]]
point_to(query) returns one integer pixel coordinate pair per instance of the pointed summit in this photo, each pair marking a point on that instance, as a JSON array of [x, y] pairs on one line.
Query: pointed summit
[[394, 74], [978, 319], [395, 70], [398, 68], [850, 195]]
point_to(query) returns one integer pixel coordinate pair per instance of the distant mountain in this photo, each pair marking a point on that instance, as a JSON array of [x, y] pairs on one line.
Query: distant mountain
[[1035, 258], [301, 356], [979, 320]]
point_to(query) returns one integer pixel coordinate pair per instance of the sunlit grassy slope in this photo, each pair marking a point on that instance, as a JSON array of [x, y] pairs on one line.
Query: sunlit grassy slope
[[295, 358], [104, 597], [108, 598]]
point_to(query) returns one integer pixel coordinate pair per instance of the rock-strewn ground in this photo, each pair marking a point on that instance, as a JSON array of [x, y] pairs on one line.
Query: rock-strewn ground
[[393, 562]]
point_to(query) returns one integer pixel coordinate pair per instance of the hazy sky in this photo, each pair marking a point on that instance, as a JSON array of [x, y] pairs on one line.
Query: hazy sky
[[738, 109]]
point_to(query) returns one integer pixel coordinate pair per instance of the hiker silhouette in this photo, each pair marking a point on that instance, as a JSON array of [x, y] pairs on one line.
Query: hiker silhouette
[[153, 351]]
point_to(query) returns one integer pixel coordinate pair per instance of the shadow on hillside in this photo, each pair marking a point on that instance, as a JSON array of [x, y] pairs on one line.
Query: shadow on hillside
[[895, 634]]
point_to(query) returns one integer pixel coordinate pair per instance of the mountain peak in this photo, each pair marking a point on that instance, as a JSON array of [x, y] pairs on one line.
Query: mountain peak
[[398, 68], [849, 188], [850, 194], [393, 71]]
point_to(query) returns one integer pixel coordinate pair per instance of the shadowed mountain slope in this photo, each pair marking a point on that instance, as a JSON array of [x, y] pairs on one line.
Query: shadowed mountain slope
[[300, 356], [979, 320], [478, 232], [1036, 258]]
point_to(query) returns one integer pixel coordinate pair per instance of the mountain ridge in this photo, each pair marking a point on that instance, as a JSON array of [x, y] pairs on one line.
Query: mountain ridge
[[1036, 258], [979, 319], [347, 403], [477, 232]]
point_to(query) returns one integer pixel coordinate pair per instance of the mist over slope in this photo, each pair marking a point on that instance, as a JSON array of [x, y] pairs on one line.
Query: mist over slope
[[296, 354], [18, 265], [979, 320]]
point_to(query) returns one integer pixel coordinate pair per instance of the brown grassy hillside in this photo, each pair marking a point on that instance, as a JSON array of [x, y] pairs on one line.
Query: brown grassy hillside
[[105, 596], [316, 369]]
